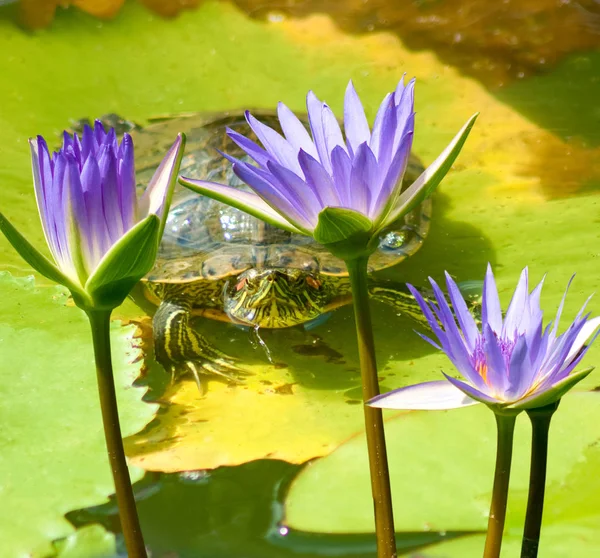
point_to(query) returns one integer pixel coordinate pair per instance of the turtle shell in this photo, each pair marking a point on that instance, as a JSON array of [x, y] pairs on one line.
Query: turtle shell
[[206, 239]]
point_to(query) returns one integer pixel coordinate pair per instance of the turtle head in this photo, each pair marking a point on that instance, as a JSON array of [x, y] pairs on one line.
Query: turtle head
[[275, 298]]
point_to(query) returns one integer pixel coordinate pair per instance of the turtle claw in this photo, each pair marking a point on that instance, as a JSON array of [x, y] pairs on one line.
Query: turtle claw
[[202, 370]]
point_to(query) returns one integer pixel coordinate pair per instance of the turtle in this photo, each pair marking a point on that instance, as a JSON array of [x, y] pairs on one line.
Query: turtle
[[218, 262]]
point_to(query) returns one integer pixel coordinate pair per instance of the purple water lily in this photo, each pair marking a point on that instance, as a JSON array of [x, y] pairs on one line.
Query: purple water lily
[[511, 362], [299, 174], [342, 191], [103, 241], [102, 238], [86, 195]]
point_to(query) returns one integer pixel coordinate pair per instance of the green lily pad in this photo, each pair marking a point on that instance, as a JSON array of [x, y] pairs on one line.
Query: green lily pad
[[564, 540], [444, 484], [52, 453]]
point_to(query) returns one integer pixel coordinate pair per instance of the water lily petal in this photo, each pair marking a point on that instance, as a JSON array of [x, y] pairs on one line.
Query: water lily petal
[[465, 319], [304, 195], [275, 144], [319, 180], [315, 119], [355, 121], [457, 351], [42, 181], [331, 131], [385, 109], [99, 132], [582, 337], [251, 148], [363, 167], [278, 195], [127, 183], [451, 342], [89, 145], [72, 145], [520, 371], [496, 363], [387, 133], [560, 309], [400, 89], [429, 340], [107, 163], [156, 197], [405, 116], [246, 201], [470, 391], [518, 306], [98, 237], [559, 349], [341, 166], [428, 396], [81, 259], [295, 132], [391, 186], [491, 312], [57, 216]]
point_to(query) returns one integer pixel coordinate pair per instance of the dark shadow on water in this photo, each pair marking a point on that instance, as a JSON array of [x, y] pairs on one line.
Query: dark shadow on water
[[233, 512], [495, 42], [565, 102]]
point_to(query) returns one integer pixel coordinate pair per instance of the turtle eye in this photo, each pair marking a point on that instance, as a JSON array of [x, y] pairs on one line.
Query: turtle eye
[[314, 283], [241, 284]]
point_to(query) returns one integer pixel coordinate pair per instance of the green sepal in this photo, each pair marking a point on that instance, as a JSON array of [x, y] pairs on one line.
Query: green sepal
[[554, 393], [431, 177], [172, 182], [124, 265], [346, 233], [36, 259]]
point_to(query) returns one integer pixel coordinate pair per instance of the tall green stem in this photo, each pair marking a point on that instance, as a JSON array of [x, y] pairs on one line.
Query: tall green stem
[[100, 322], [378, 464], [506, 427], [540, 424]]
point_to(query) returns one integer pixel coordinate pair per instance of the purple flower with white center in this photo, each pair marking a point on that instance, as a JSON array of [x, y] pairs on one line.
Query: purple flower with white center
[[326, 185], [511, 362], [101, 236]]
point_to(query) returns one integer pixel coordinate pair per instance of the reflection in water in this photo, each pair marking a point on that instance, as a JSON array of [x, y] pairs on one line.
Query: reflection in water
[[233, 511]]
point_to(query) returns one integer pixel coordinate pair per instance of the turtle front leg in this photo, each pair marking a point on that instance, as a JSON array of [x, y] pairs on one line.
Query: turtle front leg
[[181, 349]]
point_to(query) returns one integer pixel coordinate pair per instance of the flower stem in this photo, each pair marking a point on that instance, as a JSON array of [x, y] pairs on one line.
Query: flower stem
[[506, 426], [378, 465], [100, 322], [540, 424]]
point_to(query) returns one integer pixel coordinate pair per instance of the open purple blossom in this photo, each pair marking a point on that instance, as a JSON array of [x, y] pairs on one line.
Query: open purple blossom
[[511, 361], [99, 233], [299, 174]]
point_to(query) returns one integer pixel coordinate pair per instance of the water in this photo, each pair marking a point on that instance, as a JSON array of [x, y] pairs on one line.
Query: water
[[523, 192]]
